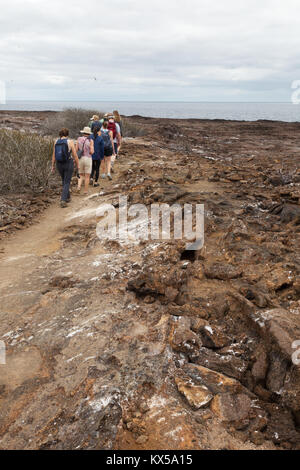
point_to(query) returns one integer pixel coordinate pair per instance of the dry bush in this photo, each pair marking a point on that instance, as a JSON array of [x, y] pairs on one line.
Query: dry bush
[[73, 119], [25, 161], [76, 119], [131, 129]]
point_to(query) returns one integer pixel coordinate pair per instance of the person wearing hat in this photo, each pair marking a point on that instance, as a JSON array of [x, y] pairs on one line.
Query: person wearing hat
[[91, 121], [105, 118], [95, 122], [85, 150]]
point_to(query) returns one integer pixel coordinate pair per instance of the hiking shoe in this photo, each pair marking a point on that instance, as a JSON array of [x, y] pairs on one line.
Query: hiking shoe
[[95, 185], [91, 182], [109, 176], [63, 204]]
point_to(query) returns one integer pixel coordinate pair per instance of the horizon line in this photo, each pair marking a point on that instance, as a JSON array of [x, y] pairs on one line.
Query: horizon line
[[143, 101]]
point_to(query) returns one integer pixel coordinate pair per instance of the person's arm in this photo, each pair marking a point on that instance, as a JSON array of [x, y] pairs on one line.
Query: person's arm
[[74, 153], [101, 149], [92, 149], [111, 135], [118, 134], [53, 158], [119, 139]]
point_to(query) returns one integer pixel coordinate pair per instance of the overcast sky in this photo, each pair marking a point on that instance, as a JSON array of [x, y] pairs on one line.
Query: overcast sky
[[188, 50]]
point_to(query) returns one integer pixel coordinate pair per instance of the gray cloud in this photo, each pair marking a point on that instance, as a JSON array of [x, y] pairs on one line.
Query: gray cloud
[[160, 50]]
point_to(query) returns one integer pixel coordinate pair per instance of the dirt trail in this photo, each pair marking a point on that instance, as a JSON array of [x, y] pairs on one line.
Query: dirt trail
[[106, 342], [71, 337]]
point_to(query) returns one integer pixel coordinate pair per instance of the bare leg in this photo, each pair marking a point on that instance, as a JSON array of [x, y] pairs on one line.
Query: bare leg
[[108, 164], [80, 180], [86, 182], [102, 167]]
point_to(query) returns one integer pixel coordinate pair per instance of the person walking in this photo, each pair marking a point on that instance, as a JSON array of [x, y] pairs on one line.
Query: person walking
[[85, 149], [97, 156], [63, 152], [94, 121], [115, 128], [108, 141], [118, 121]]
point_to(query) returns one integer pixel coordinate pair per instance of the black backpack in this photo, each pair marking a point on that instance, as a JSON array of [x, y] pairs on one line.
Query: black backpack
[[62, 153]]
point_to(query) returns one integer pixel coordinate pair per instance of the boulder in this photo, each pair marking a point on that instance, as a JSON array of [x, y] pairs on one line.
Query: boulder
[[290, 212], [229, 365], [231, 407], [260, 367], [279, 328], [278, 278], [214, 337], [222, 271], [163, 282], [188, 310], [182, 338], [214, 381], [277, 372], [198, 396]]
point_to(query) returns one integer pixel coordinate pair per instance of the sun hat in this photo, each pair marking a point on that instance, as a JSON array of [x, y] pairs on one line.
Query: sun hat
[[86, 130]]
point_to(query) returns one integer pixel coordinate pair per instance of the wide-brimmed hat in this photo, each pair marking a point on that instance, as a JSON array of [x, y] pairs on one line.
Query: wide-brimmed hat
[[86, 130], [95, 118]]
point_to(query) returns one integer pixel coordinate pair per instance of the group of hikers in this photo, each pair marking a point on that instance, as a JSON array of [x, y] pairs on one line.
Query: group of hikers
[[94, 153]]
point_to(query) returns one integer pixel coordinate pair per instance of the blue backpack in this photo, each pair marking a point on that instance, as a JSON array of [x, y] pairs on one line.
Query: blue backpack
[[106, 139], [62, 153]]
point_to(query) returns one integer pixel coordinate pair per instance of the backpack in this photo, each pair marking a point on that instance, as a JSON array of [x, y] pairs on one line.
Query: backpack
[[62, 153], [112, 127], [106, 139], [98, 147], [81, 151]]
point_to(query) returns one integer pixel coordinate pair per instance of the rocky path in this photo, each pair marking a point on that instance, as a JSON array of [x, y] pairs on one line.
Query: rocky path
[[142, 345]]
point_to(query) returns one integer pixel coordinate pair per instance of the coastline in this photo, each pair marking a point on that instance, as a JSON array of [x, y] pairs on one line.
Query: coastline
[[246, 111]]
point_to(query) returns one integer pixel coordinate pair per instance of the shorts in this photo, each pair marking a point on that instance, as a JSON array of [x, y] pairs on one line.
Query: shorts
[[108, 152], [85, 165]]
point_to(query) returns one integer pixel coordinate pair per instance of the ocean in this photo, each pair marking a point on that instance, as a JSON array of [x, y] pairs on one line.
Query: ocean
[[198, 110]]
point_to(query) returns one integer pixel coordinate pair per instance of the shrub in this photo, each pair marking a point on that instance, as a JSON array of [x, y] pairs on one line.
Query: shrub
[[74, 119], [25, 161], [131, 129]]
